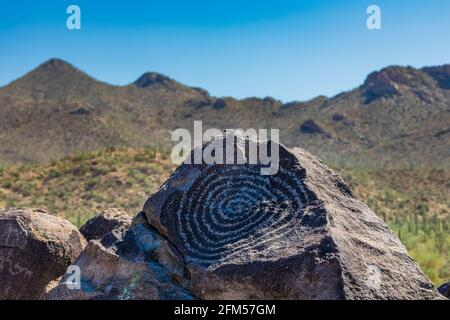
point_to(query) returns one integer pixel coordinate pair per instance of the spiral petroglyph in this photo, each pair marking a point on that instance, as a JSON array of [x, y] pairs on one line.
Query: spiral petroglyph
[[219, 213], [231, 209]]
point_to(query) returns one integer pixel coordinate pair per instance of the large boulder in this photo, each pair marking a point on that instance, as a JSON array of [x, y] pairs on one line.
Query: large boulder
[[298, 234], [139, 264], [35, 248], [111, 220]]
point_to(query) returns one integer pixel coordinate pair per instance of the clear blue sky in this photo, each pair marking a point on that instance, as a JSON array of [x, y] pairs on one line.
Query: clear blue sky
[[288, 49]]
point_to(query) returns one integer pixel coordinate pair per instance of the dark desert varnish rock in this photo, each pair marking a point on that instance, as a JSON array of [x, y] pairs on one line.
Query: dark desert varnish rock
[[445, 290], [299, 234], [110, 220]]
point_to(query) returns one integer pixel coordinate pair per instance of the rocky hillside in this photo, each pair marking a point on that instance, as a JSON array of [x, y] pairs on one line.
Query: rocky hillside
[[399, 115]]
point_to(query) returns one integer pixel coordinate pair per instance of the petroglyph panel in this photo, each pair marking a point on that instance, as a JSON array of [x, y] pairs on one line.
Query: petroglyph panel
[[232, 209]]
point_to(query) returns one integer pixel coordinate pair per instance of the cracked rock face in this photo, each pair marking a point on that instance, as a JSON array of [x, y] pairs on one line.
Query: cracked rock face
[[35, 248], [298, 234]]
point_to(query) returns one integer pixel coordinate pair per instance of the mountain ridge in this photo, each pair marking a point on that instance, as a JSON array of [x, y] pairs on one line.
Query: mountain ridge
[[440, 74], [397, 115]]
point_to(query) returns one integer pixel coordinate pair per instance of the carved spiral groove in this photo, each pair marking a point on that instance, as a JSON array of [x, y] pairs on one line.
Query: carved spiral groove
[[231, 209]]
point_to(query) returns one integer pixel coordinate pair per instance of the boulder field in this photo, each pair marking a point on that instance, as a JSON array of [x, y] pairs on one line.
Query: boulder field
[[216, 231]]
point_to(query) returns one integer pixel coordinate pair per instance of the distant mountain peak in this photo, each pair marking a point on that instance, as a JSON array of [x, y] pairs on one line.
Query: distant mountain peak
[[56, 64], [394, 75], [54, 78], [395, 80], [150, 79], [56, 70]]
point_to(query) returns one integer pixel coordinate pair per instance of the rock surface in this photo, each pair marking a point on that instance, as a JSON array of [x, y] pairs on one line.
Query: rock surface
[[140, 264], [299, 234], [111, 220], [35, 248]]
